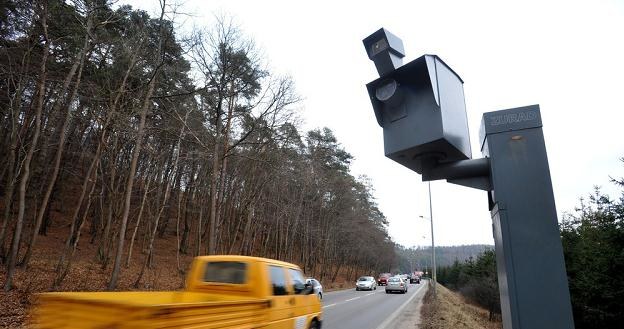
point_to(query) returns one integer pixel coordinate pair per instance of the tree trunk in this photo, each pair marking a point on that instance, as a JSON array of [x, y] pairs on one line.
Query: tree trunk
[[135, 155], [104, 249], [160, 211], [62, 135], [26, 166], [10, 181], [128, 193], [166, 176], [9, 190], [212, 220], [64, 264], [136, 226], [74, 220], [189, 196], [200, 220], [105, 241]]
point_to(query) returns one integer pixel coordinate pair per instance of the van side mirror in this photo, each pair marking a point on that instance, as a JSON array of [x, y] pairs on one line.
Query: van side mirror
[[309, 289]]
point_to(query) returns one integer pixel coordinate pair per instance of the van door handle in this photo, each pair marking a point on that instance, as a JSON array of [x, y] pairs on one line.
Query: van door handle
[[292, 301]]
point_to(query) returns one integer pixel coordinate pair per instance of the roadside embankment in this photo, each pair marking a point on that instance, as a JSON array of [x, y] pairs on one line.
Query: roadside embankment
[[451, 310]]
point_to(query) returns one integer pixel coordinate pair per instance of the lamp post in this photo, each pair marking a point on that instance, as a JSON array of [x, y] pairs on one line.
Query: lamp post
[[433, 263]]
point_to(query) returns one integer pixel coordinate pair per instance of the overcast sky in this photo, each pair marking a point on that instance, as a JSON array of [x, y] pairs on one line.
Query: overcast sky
[[566, 56]]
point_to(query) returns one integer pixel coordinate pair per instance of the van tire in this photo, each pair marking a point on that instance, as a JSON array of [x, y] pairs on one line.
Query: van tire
[[314, 325]]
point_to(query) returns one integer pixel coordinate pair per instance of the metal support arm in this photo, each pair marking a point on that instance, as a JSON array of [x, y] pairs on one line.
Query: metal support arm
[[457, 170]]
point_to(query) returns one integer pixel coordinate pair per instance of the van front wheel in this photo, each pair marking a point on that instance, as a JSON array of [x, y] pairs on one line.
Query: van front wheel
[[314, 325]]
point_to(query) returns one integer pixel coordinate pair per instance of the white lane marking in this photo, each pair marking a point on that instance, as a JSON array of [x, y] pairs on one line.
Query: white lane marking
[[351, 299]]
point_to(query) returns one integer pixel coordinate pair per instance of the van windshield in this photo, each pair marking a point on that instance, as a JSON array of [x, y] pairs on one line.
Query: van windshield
[[225, 272]]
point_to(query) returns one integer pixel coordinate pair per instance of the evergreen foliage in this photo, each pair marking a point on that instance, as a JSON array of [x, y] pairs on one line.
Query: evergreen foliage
[[593, 244]]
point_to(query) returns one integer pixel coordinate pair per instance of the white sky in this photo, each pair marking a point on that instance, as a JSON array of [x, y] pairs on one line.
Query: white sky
[[566, 56]]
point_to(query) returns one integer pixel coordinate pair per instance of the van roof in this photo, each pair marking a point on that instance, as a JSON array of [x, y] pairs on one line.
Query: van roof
[[246, 259]]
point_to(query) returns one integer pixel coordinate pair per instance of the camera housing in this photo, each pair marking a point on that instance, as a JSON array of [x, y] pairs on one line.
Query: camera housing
[[385, 50], [421, 108]]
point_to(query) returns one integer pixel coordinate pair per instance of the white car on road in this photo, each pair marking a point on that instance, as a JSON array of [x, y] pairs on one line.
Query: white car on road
[[396, 283], [366, 283], [316, 285]]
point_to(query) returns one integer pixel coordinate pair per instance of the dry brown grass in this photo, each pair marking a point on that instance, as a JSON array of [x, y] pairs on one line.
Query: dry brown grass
[[450, 310]]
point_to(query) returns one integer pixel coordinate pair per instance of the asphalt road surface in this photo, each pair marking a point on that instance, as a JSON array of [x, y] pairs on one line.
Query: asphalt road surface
[[351, 309]]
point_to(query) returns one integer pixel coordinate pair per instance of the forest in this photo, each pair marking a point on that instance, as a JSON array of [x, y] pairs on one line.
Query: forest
[[123, 141]]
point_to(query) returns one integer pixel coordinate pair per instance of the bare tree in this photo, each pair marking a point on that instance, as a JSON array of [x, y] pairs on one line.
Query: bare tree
[[147, 103], [150, 249], [77, 65], [43, 12]]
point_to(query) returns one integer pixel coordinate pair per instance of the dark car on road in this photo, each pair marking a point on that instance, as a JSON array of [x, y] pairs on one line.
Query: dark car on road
[[383, 279], [414, 278]]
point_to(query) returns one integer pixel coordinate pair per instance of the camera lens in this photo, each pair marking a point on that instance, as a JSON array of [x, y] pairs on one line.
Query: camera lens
[[386, 90], [379, 46]]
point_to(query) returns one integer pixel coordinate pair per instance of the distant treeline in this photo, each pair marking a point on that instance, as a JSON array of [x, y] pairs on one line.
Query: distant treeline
[[410, 259]]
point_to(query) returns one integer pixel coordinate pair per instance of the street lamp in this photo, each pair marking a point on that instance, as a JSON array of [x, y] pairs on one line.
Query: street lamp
[[433, 263]]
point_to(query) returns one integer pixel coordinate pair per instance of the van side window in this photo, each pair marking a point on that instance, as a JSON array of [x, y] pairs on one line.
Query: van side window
[[225, 272], [278, 280], [298, 281]]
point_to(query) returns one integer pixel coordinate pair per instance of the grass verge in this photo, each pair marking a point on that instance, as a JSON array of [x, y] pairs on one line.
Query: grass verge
[[450, 310]]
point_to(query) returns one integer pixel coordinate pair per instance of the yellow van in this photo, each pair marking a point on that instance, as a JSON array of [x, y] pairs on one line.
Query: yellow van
[[221, 292]]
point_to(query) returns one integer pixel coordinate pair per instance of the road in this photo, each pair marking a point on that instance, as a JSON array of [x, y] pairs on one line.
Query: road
[[350, 309]]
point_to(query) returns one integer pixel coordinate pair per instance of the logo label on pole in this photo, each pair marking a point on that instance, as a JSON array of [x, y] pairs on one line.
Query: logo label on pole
[[504, 119]]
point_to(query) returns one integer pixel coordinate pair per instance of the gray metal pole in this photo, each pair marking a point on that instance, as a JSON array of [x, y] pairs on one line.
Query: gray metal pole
[[433, 257], [531, 269]]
